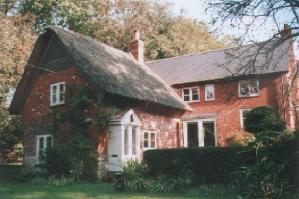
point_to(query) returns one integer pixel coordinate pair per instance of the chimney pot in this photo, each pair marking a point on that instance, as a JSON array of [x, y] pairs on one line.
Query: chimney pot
[[287, 31], [137, 47]]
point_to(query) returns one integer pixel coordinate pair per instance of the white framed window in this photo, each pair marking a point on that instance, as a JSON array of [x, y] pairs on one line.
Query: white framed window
[[248, 88], [190, 94], [149, 140], [209, 92], [57, 93], [42, 143], [243, 113]]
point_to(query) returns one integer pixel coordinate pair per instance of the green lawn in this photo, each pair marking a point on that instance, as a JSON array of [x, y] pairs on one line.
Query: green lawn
[[11, 188], [98, 190]]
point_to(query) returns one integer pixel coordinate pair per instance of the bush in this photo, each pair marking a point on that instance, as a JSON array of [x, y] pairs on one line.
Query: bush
[[76, 157], [209, 165], [57, 162], [173, 184], [263, 119], [134, 177], [215, 165]]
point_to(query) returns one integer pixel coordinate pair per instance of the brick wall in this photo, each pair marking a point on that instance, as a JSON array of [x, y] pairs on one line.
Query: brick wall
[[37, 115], [227, 105]]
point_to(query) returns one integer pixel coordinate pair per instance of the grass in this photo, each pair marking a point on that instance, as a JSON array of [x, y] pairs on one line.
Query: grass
[[11, 188]]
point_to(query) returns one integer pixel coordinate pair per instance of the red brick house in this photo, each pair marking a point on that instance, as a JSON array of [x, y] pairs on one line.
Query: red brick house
[[221, 86], [153, 115], [149, 106]]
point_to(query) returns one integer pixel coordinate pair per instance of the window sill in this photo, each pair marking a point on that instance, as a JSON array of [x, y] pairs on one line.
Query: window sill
[[145, 149], [56, 105], [194, 101], [249, 96]]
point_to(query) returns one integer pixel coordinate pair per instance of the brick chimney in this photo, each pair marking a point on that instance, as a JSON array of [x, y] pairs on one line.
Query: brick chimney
[[286, 32], [137, 47]]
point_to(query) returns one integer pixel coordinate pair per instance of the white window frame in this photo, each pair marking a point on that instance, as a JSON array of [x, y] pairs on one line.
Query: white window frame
[[206, 92], [149, 140], [58, 93], [45, 136], [250, 94], [200, 131], [241, 116], [191, 94]]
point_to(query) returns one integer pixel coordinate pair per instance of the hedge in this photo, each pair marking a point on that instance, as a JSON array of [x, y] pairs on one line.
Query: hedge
[[215, 164], [210, 165]]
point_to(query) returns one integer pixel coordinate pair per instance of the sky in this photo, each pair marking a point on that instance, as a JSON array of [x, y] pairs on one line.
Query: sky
[[197, 9]]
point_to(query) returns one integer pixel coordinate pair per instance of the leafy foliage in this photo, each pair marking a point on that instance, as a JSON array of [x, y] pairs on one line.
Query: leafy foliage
[[264, 178], [112, 22], [134, 177], [209, 165], [10, 134], [263, 119], [75, 149], [57, 162], [180, 183]]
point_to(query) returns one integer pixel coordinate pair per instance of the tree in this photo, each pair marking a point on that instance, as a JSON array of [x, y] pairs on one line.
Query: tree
[[255, 15], [16, 43], [112, 22], [263, 119]]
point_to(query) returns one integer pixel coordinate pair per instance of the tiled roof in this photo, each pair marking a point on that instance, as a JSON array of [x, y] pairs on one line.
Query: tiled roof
[[223, 63]]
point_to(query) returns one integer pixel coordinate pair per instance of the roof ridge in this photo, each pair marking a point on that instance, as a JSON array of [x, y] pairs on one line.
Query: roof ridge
[[199, 53], [55, 28]]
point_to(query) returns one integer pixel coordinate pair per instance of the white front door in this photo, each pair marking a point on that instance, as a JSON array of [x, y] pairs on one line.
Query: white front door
[[200, 133], [131, 143]]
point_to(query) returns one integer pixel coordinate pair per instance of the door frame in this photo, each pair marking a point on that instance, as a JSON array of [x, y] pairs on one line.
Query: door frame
[[200, 130]]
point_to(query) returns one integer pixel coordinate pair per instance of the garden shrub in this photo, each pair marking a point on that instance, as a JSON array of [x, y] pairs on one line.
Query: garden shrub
[[180, 183], [209, 165], [263, 119], [76, 157], [57, 162], [134, 177]]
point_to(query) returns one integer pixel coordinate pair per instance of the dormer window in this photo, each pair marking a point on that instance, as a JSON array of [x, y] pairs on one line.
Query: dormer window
[[190, 94], [57, 93], [249, 88]]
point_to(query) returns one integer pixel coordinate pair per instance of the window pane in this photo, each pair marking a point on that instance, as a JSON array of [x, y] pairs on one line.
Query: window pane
[[186, 91], [209, 133], [145, 135], [145, 143], [152, 136], [195, 97], [195, 94], [61, 88], [194, 91], [186, 98], [41, 142], [61, 97], [153, 144], [54, 89], [41, 155], [54, 99], [126, 141], [134, 137], [49, 141], [209, 92]]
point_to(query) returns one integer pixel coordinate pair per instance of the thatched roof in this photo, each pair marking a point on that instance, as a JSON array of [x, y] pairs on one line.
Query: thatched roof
[[115, 71]]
